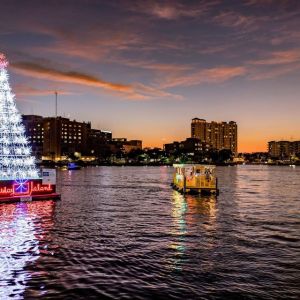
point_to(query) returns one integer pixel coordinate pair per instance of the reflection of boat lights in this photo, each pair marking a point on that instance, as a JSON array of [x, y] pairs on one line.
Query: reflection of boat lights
[[204, 207], [179, 229], [178, 211], [189, 212]]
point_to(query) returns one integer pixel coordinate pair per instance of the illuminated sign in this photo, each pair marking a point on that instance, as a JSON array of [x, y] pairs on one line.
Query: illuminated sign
[[6, 191], [41, 188], [21, 187], [49, 176], [25, 188]]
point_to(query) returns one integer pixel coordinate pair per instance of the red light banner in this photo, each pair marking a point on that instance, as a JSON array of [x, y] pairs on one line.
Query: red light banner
[[25, 188]]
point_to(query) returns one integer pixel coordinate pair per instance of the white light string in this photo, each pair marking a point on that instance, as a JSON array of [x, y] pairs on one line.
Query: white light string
[[16, 161]]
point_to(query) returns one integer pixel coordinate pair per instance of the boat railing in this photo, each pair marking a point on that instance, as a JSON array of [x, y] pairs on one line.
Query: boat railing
[[195, 177]]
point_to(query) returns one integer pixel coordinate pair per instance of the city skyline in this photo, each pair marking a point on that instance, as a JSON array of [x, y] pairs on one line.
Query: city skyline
[[144, 71]]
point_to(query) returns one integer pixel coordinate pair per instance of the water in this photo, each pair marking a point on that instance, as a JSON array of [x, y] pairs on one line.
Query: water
[[123, 233]]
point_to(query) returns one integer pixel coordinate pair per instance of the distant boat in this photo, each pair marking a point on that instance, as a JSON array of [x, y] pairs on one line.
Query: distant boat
[[195, 179], [73, 166]]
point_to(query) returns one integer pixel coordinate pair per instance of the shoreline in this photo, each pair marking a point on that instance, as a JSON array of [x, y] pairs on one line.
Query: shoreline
[[58, 165]]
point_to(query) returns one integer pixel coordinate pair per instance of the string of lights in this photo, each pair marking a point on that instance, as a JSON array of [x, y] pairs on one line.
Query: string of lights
[[16, 161]]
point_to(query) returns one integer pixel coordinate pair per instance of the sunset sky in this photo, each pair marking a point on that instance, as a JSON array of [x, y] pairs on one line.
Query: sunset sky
[[143, 69]]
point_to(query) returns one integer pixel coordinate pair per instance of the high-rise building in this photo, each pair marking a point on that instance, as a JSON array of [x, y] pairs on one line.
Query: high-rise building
[[219, 135]]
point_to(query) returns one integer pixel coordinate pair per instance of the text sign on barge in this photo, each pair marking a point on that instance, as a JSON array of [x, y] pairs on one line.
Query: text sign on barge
[[49, 176]]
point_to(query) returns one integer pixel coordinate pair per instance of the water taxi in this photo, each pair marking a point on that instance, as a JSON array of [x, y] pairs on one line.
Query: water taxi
[[73, 166], [195, 179]]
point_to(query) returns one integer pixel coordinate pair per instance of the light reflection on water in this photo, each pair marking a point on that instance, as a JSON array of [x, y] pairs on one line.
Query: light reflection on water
[[187, 211], [124, 233], [179, 229], [20, 233]]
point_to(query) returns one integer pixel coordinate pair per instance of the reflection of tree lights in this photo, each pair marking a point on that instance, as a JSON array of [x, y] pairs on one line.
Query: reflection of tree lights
[[18, 247]]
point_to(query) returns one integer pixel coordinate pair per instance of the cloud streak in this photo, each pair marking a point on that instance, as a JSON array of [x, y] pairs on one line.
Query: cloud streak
[[135, 91], [171, 10], [275, 64], [26, 90], [211, 75], [42, 72], [234, 19], [279, 57], [274, 71], [152, 65]]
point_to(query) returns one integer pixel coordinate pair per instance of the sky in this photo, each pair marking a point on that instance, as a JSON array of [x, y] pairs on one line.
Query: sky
[[143, 69]]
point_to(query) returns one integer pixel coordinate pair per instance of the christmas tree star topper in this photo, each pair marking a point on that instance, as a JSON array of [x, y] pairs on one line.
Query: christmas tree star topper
[[3, 61]]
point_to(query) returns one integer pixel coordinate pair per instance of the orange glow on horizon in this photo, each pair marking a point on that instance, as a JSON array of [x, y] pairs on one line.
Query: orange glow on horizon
[[244, 145]]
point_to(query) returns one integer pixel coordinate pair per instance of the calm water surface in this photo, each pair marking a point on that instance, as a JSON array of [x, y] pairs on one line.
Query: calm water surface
[[123, 233]]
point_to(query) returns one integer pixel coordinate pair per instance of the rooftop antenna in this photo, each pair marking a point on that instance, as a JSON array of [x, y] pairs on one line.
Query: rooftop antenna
[[56, 104]]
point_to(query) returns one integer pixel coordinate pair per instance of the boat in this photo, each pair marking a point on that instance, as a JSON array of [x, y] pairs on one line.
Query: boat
[[73, 166], [20, 178], [195, 179], [23, 190]]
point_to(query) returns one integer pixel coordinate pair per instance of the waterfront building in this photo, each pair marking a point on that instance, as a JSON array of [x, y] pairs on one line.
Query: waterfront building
[[133, 145], [34, 130], [296, 147], [283, 149], [63, 137], [98, 142], [172, 148], [219, 135], [189, 146], [57, 138], [125, 146]]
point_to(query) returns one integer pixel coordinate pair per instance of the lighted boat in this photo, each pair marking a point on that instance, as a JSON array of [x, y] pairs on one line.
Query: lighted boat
[[43, 188], [20, 179], [195, 179], [73, 166]]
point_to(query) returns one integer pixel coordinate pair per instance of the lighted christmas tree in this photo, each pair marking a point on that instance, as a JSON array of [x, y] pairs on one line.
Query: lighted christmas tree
[[16, 162]]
